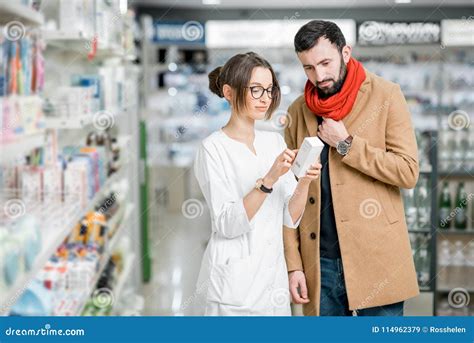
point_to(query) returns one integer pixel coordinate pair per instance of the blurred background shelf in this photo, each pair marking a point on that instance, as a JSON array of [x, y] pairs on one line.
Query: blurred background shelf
[[14, 11], [21, 145]]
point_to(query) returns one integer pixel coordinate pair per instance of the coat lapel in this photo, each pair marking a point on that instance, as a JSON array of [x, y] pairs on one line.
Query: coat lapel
[[310, 121], [363, 93]]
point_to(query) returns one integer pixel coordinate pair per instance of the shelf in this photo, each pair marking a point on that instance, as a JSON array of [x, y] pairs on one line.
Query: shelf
[[77, 43], [441, 232], [21, 145], [104, 259], [128, 267], [447, 290], [52, 236], [66, 40], [456, 173], [68, 122], [424, 231], [12, 11], [426, 170], [116, 237], [79, 122], [101, 193]]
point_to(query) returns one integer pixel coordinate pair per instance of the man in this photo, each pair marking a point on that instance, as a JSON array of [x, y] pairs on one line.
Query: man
[[351, 254]]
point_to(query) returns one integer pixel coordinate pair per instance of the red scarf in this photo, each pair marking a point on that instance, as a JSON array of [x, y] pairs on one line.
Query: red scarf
[[340, 104]]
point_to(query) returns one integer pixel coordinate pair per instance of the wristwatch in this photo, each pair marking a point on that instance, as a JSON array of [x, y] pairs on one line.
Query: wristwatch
[[259, 185], [343, 147]]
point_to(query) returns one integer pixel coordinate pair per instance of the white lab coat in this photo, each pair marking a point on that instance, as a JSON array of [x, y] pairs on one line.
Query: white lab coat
[[243, 270]]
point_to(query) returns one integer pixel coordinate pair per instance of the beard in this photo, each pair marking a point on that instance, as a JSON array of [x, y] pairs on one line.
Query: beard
[[337, 84]]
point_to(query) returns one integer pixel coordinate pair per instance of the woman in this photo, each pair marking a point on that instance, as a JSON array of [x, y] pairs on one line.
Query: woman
[[245, 178]]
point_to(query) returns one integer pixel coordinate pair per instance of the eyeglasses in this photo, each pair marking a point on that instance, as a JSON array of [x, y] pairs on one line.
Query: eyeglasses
[[257, 91]]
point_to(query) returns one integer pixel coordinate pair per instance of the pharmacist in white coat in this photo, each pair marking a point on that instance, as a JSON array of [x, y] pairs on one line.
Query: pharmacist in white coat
[[245, 178]]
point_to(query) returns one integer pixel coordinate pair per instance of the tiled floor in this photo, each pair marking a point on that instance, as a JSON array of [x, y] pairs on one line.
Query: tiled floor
[[177, 247]]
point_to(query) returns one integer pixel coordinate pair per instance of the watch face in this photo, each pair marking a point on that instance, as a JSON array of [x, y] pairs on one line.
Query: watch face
[[342, 147]]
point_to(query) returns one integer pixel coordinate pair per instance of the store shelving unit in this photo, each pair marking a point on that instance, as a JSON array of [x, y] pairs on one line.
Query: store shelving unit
[[19, 146], [61, 219], [124, 276], [13, 11], [60, 47], [112, 244], [55, 234], [69, 122]]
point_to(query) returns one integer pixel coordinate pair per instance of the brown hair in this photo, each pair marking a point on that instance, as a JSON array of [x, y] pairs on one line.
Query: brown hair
[[237, 73]]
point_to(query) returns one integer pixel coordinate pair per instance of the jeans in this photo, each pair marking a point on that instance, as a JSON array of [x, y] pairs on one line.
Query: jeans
[[334, 297]]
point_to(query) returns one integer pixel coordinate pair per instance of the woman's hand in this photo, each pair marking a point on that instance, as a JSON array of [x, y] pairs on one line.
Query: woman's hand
[[280, 167], [311, 174]]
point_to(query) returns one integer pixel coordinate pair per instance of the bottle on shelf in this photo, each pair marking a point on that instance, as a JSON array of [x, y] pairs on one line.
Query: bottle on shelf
[[444, 263], [460, 219], [422, 260], [470, 265], [423, 204], [458, 267], [410, 207], [445, 207]]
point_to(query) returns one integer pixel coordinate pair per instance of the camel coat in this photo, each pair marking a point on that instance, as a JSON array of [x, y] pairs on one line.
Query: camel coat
[[368, 209]]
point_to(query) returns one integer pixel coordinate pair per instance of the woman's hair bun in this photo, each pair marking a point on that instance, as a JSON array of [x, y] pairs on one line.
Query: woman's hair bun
[[214, 82]]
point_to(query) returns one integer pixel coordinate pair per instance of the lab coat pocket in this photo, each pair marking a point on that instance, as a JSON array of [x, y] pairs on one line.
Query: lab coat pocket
[[230, 283]]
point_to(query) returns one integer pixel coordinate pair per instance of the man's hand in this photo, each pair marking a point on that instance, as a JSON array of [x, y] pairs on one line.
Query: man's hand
[[298, 280], [332, 131]]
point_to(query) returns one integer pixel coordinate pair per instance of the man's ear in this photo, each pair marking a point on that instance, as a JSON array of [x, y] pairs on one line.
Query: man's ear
[[346, 53], [227, 91]]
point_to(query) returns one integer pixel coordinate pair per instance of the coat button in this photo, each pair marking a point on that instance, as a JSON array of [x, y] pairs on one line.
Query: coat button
[[312, 235], [311, 200]]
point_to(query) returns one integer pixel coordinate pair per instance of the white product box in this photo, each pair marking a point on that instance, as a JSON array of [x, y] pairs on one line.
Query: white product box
[[75, 183], [52, 184], [31, 181], [307, 155]]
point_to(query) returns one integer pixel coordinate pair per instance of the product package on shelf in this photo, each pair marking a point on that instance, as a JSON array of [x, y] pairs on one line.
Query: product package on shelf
[[21, 65], [21, 78], [84, 261], [93, 82], [73, 101], [77, 17], [108, 23], [21, 115]]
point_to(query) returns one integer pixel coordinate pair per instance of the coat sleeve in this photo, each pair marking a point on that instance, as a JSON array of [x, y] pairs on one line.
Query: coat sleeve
[[227, 209], [397, 164], [291, 237]]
